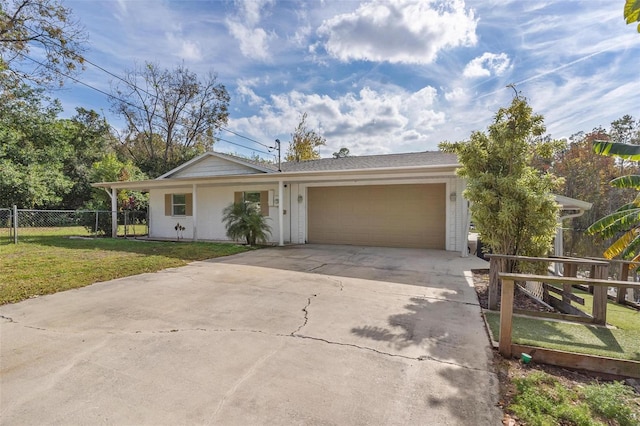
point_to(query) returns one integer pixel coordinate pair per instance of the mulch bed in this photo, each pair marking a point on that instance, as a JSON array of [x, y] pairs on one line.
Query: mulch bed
[[521, 299]]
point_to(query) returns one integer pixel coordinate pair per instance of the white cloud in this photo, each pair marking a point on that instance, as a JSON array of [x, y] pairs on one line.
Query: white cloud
[[183, 48], [245, 90], [243, 27], [487, 64], [367, 122], [456, 94], [400, 31]]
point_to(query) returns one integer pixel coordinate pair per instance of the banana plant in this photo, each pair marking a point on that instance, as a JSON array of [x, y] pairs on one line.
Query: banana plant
[[625, 219]]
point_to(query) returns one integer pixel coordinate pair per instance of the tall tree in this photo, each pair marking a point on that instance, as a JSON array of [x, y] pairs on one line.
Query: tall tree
[[43, 26], [304, 143], [44, 160], [511, 202], [343, 152], [89, 137], [171, 115], [32, 151], [586, 177]]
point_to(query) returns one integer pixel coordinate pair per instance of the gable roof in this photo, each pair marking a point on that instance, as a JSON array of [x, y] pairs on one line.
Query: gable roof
[[247, 164]]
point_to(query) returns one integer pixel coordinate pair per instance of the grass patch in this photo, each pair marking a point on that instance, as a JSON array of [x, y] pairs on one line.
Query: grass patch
[[620, 316], [40, 265], [81, 231], [571, 337], [541, 399]]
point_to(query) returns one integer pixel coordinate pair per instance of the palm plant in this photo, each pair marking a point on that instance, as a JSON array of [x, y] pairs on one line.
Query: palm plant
[[626, 219], [244, 220]]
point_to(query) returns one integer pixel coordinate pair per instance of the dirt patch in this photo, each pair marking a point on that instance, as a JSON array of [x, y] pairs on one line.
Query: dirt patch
[[510, 369], [521, 299]]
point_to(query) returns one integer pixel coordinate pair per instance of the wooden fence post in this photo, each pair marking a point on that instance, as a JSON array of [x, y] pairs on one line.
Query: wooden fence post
[[495, 267], [600, 295], [506, 317], [570, 270], [624, 276]]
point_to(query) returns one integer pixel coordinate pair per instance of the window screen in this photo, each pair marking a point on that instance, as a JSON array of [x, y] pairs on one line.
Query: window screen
[[179, 205]]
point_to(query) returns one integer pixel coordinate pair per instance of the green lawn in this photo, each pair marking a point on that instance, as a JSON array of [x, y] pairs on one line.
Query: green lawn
[[617, 315], [6, 236], [571, 337], [40, 265]]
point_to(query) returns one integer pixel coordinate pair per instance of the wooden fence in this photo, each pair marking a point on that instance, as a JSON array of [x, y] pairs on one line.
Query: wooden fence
[[598, 270]]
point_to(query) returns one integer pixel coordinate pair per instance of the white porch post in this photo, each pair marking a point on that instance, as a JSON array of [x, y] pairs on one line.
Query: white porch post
[[114, 213], [194, 211], [466, 226], [280, 213]]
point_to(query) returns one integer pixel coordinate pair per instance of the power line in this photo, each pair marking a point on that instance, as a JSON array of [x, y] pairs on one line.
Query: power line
[[245, 137], [129, 83], [246, 147], [137, 106]]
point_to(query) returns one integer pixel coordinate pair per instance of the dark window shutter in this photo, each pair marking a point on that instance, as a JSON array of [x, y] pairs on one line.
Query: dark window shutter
[[264, 203], [168, 204], [237, 197], [189, 204]]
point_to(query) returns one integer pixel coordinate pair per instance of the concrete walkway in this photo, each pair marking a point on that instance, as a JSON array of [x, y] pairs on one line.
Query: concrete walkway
[[296, 335]]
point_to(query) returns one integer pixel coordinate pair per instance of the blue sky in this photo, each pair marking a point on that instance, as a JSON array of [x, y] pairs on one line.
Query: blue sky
[[375, 77]]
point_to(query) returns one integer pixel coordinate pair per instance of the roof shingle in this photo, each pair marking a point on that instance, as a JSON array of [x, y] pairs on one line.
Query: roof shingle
[[427, 158]]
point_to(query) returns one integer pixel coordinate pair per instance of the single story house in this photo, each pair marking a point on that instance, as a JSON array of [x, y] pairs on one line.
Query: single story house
[[395, 200]]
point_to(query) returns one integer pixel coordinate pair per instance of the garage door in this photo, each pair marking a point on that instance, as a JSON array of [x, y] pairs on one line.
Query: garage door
[[378, 215]]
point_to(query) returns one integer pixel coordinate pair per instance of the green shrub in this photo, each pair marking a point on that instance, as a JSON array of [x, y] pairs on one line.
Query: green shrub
[[541, 400], [612, 401]]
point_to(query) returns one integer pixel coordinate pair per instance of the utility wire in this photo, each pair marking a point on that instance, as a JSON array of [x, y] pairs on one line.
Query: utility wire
[[137, 106], [234, 143], [128, 83], [245, 137]]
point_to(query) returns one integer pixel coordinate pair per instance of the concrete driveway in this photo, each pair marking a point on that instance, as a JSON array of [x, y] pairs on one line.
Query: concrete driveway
[[321, 335]]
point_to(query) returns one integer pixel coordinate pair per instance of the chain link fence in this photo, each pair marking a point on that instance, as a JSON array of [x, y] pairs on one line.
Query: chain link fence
[[6, 223], [25, 223]]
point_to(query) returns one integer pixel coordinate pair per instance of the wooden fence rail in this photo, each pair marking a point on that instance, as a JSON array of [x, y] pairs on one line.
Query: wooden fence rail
[[598, 270], [625, 267]]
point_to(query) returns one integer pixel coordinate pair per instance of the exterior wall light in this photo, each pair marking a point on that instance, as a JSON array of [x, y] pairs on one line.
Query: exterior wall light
[[452, 196], [300, 198]]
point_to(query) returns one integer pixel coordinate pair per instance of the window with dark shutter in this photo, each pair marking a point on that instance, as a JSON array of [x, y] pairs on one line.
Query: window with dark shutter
[[178, 205], [260, 199]]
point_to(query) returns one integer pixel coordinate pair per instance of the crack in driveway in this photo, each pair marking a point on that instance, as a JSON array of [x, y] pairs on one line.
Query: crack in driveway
[[290, 335], [6, 318], [367, 348], [306, 315], [317, 267]]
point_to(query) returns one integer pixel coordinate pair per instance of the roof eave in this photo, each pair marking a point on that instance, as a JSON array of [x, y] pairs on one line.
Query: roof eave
[[448, 169]]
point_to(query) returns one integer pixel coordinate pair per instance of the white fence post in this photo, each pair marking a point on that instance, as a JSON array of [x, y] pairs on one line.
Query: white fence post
[[15, 224]]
